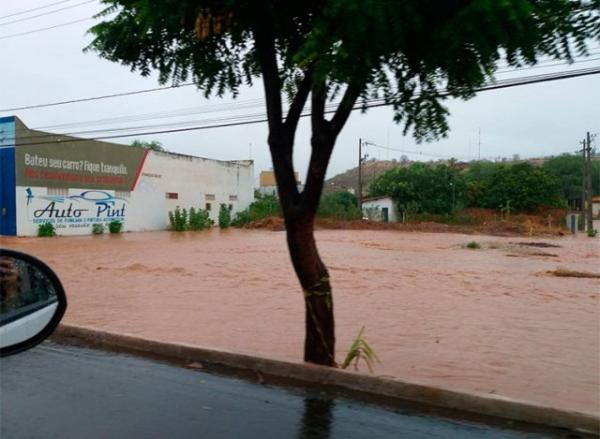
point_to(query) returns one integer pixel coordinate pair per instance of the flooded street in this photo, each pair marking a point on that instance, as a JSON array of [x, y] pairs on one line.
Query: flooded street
[[489, 321]]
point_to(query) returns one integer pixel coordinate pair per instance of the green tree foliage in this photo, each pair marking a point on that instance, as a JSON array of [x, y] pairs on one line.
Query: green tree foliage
[[422, 188], [178, 219], [263, 207], [224, 216], [568, 168], [425, 189], [153, 145], [413, 54], [199, 219], [522, 186], [339, 205]]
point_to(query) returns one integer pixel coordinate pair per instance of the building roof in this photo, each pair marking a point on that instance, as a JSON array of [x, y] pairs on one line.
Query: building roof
[[382, 197]]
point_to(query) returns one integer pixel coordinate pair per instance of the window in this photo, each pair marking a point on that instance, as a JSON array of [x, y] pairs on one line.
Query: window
[[58, 191], [208, 206], [233, 198], [209, 197], [122, 194], [172, 195]]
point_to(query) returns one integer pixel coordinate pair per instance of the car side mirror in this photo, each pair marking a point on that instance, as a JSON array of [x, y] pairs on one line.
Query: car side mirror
[[32, 302]]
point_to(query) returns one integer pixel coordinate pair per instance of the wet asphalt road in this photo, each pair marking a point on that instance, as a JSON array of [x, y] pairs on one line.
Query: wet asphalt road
[[54, 391]]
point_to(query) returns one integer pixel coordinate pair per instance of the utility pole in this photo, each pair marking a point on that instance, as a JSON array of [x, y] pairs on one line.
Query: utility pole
[[583, 180], [479, 145], [588, 184], [359, 194]]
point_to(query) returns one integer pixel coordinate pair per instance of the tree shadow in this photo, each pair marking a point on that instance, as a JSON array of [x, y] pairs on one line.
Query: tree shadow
[[317, 418]]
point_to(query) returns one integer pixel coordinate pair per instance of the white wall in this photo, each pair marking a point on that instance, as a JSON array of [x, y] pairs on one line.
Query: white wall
[[146, 207], [378, 205]]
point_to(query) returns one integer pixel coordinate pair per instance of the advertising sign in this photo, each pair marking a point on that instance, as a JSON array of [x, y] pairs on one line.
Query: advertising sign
[[82, 209], [93, 165]]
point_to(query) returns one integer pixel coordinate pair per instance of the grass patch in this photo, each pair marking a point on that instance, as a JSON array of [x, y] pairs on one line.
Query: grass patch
[[360, 349], [565, 272], [474, 245]]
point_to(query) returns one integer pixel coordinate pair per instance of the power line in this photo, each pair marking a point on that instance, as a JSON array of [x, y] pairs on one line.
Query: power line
[[196, 110], [375, 103], [47, 13], [421, 153], [94, 98], [255, 103], [68, 23], [215, 108], [186, 84], [35, 9]]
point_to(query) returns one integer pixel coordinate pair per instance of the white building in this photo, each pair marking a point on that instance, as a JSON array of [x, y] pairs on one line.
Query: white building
[[380, 209], [74, 183]]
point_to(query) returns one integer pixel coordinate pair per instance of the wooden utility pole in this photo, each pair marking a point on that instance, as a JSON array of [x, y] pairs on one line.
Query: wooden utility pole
[[588, 184], [359, 194], [583, 180]]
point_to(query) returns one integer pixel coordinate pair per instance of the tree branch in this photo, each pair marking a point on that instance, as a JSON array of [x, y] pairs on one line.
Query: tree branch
[[267, 57], [318, 98], [293, 116], [344, 108]]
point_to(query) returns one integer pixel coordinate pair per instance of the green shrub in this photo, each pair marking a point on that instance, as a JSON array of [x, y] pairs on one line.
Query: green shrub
[[339, 205], [199, 219], [474, 245], [224, 216], [98, 229], [592, 233], [46, 230], [263, 207], [115, 226], [178, 219]]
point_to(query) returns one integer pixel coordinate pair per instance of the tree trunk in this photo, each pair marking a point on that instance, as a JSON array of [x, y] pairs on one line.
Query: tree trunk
[[319, 344]]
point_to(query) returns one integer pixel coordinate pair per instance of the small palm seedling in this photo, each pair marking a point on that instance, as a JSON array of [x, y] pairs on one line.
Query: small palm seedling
[[360, 349]]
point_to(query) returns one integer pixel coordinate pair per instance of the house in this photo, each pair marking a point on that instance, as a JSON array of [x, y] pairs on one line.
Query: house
[[268, 184], [75, 183], [380, 209], [596, 207]]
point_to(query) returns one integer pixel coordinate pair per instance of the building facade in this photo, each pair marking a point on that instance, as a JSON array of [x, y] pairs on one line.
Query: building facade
[[74, 183], [380, 209], [268, 183]]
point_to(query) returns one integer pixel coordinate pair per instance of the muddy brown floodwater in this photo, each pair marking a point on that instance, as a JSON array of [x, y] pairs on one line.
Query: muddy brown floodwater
[[489, 320]]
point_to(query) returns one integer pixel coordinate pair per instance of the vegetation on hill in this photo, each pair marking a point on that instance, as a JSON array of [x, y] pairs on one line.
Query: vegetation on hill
[[569, 171], [442, 189]]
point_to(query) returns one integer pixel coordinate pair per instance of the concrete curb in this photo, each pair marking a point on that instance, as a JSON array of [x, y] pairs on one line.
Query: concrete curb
[[478, 404]]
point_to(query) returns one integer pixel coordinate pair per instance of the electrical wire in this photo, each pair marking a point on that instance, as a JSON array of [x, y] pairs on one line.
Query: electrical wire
[[35, 9], [255, 119], [94, 98], [47, 13], [68, 23], [187, 84]]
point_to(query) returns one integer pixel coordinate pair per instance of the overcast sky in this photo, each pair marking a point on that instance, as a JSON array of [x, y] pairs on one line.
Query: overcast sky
[[42, 67]]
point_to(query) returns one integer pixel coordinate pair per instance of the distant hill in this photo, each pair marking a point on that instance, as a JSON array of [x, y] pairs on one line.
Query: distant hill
[[348, 180], [370, 170]]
